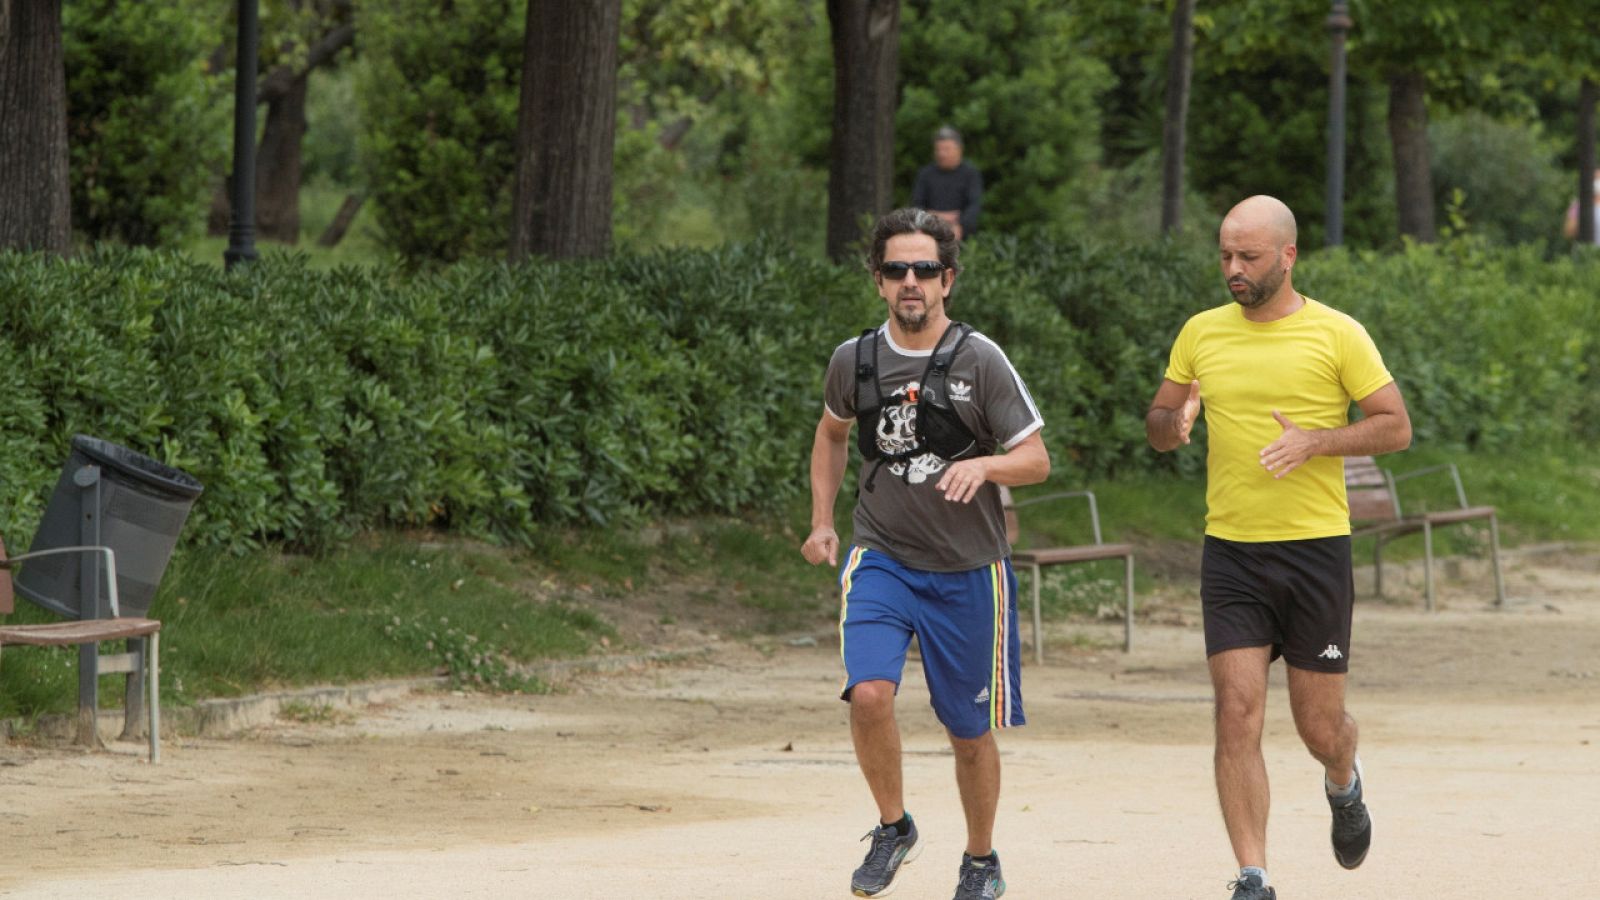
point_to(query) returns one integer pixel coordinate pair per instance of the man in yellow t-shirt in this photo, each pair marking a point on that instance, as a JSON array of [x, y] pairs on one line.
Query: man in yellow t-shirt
[[1277, 371]]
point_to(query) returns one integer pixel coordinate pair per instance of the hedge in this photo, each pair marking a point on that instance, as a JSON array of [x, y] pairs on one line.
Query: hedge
[[493, 400]]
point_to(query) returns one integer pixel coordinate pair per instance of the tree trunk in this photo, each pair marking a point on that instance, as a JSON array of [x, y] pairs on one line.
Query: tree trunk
[[1413, 172], [278, 164], [35, 197], [1588, 96], [341, 220], [866, 43], [566, 130], [1180, 65], [279, 155]]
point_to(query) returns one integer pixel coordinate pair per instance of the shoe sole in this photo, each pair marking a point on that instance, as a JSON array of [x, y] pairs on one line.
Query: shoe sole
[[913, 853]]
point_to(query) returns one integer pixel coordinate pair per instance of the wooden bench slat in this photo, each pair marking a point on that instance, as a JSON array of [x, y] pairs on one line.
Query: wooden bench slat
[[83, 631], [1081, 553]]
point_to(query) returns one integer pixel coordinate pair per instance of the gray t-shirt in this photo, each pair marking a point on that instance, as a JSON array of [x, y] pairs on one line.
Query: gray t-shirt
[[904, 515]]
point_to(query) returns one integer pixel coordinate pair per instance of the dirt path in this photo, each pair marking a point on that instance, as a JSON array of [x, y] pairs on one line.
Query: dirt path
[[733, 776]]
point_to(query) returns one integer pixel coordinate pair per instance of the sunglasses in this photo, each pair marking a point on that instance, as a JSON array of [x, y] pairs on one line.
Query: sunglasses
[[925, 269]]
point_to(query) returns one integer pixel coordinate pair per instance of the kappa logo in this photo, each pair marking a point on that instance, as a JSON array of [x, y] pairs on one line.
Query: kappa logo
[[960, 390], [983, 696], [1331, 653]]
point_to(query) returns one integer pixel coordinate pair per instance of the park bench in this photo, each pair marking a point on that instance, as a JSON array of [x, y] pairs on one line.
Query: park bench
[[1036, 559], [91, 632], [1376, 511], [96, 561]]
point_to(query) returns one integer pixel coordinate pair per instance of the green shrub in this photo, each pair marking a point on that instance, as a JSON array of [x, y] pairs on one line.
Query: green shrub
[[491, 400], [147, 128], [1514, 190], [439, 86]]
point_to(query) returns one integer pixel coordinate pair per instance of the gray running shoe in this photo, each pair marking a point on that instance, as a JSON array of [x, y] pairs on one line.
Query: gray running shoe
[[979, 881], [890, 850], [1249, 887], [1352, 827]]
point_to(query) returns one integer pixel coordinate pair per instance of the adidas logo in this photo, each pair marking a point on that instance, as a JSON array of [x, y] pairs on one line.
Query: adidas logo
[[1331, 653], [983, 696], [960, 390]]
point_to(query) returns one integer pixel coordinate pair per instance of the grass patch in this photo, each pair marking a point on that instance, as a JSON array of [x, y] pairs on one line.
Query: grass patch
[[405, 605], [319, 203], [384, 608], [314, 713]]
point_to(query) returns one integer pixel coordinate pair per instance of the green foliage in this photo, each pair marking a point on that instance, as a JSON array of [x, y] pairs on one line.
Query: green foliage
[[1007, 75], [723, 119], [1513, 190], [490, 400], [1257, 119], [146, 125], [439, 88], [1491, 346], [333, 128]]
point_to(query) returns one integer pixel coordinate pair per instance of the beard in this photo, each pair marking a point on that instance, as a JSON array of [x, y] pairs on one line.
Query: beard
[[1258, 293], [912, 322]]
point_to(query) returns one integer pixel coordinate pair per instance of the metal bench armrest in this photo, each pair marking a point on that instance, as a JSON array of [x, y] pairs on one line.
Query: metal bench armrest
[[1455, 477], [111, 567], [1094, 508]]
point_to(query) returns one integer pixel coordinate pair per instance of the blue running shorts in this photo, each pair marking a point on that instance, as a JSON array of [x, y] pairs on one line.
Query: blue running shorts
[[965, 624]]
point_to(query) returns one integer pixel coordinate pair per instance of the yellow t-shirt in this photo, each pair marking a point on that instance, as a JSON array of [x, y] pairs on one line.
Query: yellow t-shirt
[[1308, 366]]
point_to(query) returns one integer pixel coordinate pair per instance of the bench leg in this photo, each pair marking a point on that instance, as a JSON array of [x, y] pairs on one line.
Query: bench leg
[[1038, 619], [1127, 622], [88, 695], [154, 657], [1494, 558], [133, 693], [1427, 563], [1377, 566]]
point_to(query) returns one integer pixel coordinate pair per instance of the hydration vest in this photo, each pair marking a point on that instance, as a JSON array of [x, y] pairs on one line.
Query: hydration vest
[[939, 430]]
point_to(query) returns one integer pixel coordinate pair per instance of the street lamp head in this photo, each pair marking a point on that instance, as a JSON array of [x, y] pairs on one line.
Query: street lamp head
[[1339, 17]]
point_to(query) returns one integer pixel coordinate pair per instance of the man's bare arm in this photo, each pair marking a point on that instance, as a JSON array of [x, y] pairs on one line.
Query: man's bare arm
[[1172, 414], [829, 454], [1384, 428]]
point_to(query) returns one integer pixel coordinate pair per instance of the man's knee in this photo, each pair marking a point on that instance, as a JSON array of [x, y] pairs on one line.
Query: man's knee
[[1239, 712], [971, 750], [871, 700], [1326, 734]]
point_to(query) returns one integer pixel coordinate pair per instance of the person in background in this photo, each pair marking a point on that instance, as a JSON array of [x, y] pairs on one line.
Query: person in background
[[1570, 228], [950, 187]]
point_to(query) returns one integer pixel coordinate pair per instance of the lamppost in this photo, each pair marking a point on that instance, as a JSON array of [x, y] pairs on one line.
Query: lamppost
[[242, 184], [1338, 26]]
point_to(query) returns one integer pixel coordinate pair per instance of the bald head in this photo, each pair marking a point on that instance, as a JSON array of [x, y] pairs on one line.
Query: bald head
[[1262, 216], [1258, 251]]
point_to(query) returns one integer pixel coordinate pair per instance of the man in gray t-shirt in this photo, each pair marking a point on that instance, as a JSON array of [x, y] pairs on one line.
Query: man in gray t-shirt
[[930, 557]]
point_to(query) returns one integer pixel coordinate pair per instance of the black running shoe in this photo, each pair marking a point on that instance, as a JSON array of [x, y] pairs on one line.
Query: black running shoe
[[1352, 827], [890, 850], [979, 881], [1249, 887]]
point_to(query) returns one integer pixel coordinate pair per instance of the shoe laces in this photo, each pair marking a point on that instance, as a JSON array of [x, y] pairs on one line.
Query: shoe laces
[[1251, 884], [1349, 815], [974, 877], [883, 841]]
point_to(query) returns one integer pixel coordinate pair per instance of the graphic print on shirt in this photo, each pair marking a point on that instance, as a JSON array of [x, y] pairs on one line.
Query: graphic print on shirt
[[897, 432]]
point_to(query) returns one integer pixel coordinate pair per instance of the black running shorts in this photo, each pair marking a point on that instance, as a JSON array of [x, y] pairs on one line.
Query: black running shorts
[[1296, 596]]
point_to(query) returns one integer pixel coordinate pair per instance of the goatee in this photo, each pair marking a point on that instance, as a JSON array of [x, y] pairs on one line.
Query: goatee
[[911, 323]]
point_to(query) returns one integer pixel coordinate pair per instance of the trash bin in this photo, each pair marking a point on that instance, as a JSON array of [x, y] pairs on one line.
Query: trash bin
[[108, 496]]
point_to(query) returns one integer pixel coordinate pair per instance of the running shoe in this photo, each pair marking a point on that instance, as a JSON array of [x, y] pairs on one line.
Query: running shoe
[[1352, 827], [980, 880], [1249, 887], [890, 850]]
